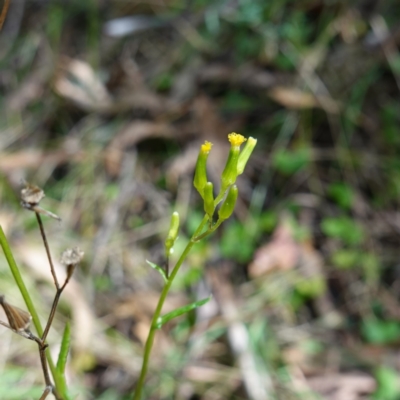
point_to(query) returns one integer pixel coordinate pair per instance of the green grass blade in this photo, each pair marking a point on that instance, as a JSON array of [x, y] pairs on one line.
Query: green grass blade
[[29, 304], [63, 355]]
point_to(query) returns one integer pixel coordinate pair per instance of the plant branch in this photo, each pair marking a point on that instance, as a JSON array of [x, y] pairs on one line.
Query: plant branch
[[53, 310], [46, 392], [46, 245], [153, 327]]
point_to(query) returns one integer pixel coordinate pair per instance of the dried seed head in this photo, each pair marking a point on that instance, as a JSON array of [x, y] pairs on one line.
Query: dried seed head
[[31, 195], [18, 319], [72, 256]]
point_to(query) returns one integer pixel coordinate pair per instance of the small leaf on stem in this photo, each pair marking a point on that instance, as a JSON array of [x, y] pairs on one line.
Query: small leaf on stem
[[180, 311], [159, 269]]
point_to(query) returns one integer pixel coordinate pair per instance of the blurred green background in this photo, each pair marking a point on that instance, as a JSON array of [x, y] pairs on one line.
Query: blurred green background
[[104, 104]]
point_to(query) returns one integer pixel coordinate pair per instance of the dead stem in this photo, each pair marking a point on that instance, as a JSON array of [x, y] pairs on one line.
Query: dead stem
[[4, 12], [46, 245], [42, 341], [53, 309], [46, 392]]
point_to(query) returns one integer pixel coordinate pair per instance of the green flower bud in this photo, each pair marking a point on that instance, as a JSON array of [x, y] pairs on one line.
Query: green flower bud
[[230, 173], [209, 206], [200, 175], [245, 154], [172, 233], [229, 203]]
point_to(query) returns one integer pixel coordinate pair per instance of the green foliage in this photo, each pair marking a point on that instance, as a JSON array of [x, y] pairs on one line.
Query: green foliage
[[163, 82], [342, 194], [378, 331], [390, 120], [351, 258], [12, 385], [55, 21], [236, 101], [190, 277], [346, 259], [296, 29], [290, 161], [110, 394], [268, 221], [236, 243], [388, 384], [102, 283], [311, 287], [343, 228]]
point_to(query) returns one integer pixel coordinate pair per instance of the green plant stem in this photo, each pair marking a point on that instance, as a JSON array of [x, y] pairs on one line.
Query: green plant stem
[[153, 327], [28, 301]]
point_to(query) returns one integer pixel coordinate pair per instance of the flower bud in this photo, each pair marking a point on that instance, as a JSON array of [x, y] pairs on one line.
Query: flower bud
[[200, 175], [230, 171], [209, 206], [229, 203], [172, 233], [245, 154]]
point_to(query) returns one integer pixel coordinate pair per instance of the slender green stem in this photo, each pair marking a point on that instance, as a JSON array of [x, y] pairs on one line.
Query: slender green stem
[[153, 327], [28, 301]]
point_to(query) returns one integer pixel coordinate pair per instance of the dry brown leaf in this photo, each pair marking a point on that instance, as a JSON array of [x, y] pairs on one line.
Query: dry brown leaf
[[351, 386], [34, 159], [212, 374], [129, 136], [297, 99], [77, 81], [281, 253]]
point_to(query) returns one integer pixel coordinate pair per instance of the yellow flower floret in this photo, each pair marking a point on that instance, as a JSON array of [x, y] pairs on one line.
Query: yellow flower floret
[[206, 147], [236, 139]]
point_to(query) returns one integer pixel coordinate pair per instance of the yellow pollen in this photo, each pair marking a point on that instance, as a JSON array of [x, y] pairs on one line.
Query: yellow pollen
[[236, 139], [206, 147]]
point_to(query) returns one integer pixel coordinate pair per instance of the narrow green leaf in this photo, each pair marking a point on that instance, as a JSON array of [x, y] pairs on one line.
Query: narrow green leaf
[[28, 301], [159, 269], [65, 343], [179, 311]]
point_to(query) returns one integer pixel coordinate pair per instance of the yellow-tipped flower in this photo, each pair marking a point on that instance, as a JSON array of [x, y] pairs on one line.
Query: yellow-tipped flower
[[172, 233], [230, 173], [236, 139], [200, 175], [229, 203], [209, 206], [245, 154]]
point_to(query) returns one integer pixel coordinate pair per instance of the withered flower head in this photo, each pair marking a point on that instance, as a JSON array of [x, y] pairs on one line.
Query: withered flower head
[[30, 198], [31, 195], [18, 319], [70, 258]]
